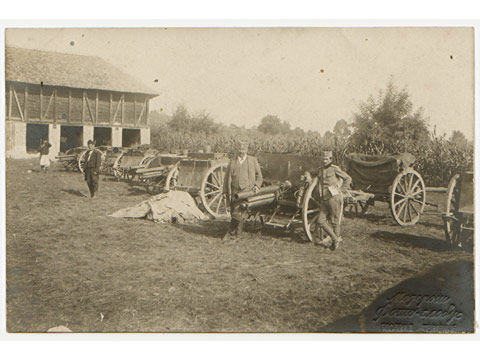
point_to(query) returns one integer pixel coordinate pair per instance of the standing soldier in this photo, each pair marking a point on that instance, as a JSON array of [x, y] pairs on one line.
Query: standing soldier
[[243, 174], [92, 168], [44, 149], [331, 188]]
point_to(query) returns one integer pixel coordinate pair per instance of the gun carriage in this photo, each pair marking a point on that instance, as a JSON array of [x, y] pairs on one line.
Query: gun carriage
[[459, 211], [288, 198], [71, 160], [130, 160], [158, 173]]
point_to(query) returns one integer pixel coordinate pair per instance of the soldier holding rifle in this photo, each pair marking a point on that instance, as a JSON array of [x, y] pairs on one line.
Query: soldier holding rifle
[[243, 174], [331, 188]]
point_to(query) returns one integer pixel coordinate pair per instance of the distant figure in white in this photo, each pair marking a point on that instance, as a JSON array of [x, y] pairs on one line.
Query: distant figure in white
[[44, 149]]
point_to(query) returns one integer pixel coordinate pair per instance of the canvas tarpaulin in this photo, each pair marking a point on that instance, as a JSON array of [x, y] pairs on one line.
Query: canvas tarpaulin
[[174, 206], [375, 173]]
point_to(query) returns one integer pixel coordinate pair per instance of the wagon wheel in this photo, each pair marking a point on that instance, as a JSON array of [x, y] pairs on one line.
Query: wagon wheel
[[81, 161], [155, 186], [171, 180], [407, 198], [310, 212], [117, 170], [451, 226], [211, 191]]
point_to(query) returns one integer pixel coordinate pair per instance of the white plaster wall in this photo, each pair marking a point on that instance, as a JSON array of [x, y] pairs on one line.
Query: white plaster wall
[[117, 136], [54, 140], [87, 134], [145, 136], [15, 139]]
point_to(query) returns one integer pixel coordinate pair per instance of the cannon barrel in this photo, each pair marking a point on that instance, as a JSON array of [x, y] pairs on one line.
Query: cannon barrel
[[263, 190], [257, 201]]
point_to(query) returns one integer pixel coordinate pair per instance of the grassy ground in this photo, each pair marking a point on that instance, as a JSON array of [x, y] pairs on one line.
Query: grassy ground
[[70, 264]]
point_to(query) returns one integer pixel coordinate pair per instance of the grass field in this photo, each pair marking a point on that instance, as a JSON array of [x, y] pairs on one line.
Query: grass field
[[69, 263]]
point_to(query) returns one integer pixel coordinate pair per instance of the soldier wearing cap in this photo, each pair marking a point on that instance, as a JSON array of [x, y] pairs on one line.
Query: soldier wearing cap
[[333, 182], [92, 168], [243, 174]]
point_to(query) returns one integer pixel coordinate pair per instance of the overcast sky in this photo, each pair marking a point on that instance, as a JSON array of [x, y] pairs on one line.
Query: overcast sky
[[311, 77]]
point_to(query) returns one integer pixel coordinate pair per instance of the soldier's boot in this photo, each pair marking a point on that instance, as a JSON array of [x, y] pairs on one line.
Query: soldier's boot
[[336, 243], [240, 227], [232, 230]]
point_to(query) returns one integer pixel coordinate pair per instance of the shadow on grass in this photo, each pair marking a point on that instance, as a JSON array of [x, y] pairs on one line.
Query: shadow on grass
[[452, 284], [412, 241], [74, 192], [430, 225], [210, 228]]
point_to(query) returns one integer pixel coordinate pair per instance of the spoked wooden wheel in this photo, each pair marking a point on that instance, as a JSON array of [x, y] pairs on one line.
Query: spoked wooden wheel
[[117, 170], [310, 213], [211, 192], [171, 180], [82, 158], [452, 227], [155, 186], [407, 198]]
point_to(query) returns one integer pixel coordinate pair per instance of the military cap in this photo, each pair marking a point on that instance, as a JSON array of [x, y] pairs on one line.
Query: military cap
[[90, 142], [328, 153]]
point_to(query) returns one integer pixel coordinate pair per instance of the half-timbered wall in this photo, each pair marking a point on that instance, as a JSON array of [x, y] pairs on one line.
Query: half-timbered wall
[[30, 102]]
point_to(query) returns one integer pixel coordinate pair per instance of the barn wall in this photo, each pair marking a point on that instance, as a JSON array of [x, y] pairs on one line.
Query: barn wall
[[145, 136], [117, 137], [15, 139], [54, 140], [87, 134]]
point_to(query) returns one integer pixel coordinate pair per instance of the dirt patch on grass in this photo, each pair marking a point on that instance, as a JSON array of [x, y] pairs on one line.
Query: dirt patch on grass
[[70, 264]]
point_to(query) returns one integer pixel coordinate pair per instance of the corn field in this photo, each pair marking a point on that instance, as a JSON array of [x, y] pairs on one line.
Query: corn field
[[437, 159]]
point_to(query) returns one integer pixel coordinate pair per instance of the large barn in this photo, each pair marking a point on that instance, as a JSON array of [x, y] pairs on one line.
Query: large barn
[[69, 99]]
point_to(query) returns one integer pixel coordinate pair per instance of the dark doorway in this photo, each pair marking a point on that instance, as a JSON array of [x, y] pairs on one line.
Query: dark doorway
[[102, 136], [70, 137], [130, 137], [35, 134]]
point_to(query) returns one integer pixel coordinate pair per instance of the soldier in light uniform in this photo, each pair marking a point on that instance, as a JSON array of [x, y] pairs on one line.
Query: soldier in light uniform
[[333, 182]]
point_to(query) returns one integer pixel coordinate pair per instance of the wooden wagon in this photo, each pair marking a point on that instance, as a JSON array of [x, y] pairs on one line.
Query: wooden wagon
[[159, 172], [72, 159], [130, 160], [202, 175], [391, 179], [459, 211]]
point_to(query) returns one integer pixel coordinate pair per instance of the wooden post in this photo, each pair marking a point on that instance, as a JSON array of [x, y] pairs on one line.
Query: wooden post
[[10, 101], [83, 106], [110, 117], [19, 107], [54, 94], [147, 122], [25, 103], [134, 108], [69, 104], [96, 107], [41, 102], [123, 108]]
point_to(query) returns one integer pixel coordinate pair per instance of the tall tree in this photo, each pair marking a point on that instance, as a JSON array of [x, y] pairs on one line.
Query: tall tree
[[389, 123], [458, 138]]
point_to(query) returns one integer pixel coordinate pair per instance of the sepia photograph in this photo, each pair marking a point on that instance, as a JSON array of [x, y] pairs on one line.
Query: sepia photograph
[[240, 180]]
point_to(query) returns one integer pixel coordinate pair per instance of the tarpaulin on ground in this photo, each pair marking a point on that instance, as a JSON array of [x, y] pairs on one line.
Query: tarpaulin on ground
[[174, 206], [374, 173]]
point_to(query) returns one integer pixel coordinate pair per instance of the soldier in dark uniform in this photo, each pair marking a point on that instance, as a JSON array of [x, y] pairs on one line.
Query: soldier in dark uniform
[[92, 168], [333, 182], [243, 174]]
